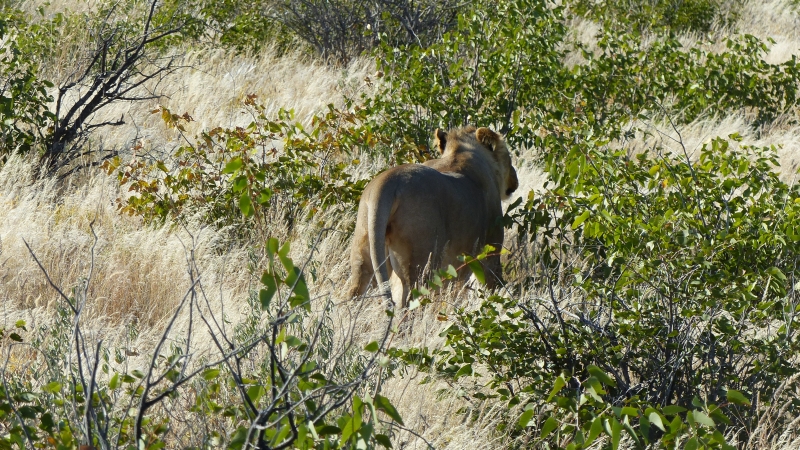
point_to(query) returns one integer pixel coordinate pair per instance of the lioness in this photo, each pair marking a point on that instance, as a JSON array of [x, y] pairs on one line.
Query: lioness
[[433, 212]]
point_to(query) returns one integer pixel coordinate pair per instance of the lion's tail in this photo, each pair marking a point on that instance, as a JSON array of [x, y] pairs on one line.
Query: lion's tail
[[377, 224]]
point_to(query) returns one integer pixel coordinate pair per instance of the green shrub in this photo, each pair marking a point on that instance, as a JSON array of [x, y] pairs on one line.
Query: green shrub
[[627, 80], [500, 67], [269, 167], [279, 379], [339, 30], [677, 15], [245, 26], [674, 278], [24, 113], [692, 253]]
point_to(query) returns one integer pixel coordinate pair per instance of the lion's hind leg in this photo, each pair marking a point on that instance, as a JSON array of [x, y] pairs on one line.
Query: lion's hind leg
[[361, 271], [400, 278]]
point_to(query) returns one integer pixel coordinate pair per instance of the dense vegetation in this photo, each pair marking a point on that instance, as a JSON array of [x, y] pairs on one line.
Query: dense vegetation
[[654, 295]]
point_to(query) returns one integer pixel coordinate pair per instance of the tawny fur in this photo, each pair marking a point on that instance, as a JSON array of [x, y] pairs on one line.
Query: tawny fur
[[425, 215]]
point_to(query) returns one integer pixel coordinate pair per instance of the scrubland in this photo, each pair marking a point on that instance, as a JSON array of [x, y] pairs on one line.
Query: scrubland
[[141, 271]]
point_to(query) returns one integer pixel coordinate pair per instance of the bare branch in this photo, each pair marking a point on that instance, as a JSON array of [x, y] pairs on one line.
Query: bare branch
[[117, 69]]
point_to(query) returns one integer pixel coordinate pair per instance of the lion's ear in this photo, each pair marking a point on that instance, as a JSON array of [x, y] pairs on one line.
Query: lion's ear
[[487, 137], [440, 139]]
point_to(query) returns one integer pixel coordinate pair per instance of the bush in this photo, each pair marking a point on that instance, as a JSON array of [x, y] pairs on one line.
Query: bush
[[129, 49], [676, 15], [674, 278], [24, 96], [666, 289], [499, 67], [244, 26], [342, 29], [629, 80], [279, 379], [270, 167], [503, 68], [692, 253], [336, 30]]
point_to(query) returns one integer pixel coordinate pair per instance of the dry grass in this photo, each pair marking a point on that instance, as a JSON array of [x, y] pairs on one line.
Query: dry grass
[[140, 273], [213, 89]]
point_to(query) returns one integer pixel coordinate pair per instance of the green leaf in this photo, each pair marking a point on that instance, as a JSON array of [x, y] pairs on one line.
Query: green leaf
[[293, 341], [272, 247], [265, 295], [382, 404], [128, 379], [114, 382], [671, 410], [682, 236], [372, 347], [594, 430], [264, 196], [465, 370], [559, 384], [616, 433], [245, 204], [452, 271], [580, 219], [327, 430], [737, 398], [644, 429], [47, 422], [295, 278], [233, 165], [477, 270], [254, 393], [549, 425], [283, 252], [283, 431], [27, 412], [602, 376], [775, 272], [487, 249], [238, 440], [358, 408], [52, 387], [383, 440], [210, 374], [703, 419], [240, 184], [525, 418], [655, 419]]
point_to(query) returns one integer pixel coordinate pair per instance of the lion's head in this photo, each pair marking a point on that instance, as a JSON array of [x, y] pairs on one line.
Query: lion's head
[[455, 140]]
